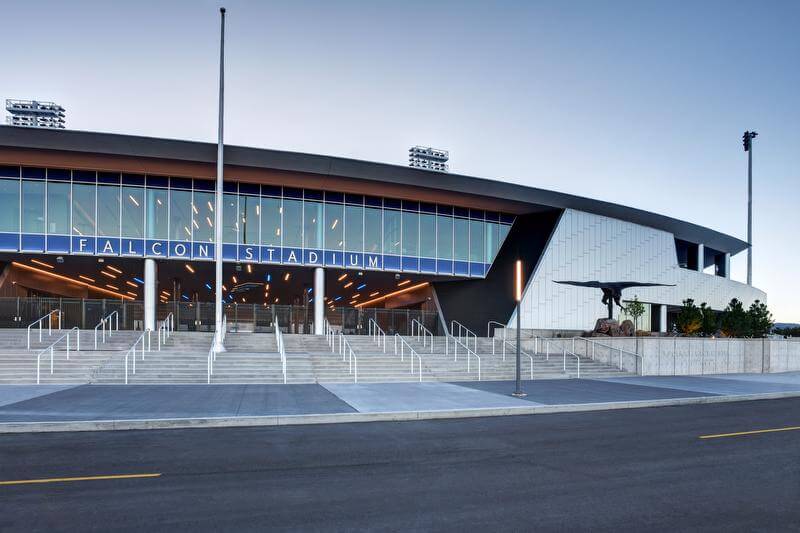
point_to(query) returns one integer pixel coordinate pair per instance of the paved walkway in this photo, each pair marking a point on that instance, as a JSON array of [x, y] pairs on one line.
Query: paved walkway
[[30, 403]]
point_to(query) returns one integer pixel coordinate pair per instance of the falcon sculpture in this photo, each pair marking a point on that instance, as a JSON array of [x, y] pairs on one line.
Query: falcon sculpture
[[612, 291]]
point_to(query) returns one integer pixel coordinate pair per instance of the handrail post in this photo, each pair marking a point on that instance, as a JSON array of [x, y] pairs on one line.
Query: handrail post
[[67, 346]]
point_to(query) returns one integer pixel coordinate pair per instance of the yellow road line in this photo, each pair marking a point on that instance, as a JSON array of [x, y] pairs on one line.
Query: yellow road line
[[754, 432], [85, 478]]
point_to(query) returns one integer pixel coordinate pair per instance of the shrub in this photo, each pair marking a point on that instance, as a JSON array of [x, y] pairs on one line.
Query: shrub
[[690, 318], [760, 319], [736, 321]]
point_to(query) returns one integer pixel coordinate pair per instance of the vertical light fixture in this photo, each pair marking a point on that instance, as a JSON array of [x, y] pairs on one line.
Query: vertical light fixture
[[747, 141], [218, 346], [518, 297]]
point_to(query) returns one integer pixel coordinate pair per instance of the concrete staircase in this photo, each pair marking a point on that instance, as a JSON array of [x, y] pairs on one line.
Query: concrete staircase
[[182, 359], [18, 364], [444, 367], [253, 358]]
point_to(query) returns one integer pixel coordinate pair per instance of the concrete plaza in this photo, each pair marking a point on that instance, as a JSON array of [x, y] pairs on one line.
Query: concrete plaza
[[33, 407]]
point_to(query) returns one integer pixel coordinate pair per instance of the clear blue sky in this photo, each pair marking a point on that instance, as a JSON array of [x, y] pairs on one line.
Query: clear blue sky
[[641, 102]]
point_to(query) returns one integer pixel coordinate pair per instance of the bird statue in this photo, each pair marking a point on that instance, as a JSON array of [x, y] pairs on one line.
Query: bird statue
[[612, 291]]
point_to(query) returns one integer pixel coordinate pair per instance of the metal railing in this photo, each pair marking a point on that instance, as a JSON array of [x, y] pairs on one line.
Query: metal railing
[[469, 352], [412, 353], [49, 317], [51, 350], [330, 334], [560, 351], [496, 323], [132, 352], [463, 334], [377, 334], [514, 347], [281, 347], [638, 360], [346, 351], [212, 354], [420, 332], [102, 324], [165, 329]]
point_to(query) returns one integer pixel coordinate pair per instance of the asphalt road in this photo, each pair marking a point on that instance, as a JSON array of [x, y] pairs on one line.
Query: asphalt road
[[643, 469]]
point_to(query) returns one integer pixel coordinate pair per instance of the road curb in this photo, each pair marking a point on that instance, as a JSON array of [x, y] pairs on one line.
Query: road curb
[[348, 418]]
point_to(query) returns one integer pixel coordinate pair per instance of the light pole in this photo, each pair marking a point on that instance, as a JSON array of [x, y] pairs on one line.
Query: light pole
[[518, 297], [218, 346], [747, 141]]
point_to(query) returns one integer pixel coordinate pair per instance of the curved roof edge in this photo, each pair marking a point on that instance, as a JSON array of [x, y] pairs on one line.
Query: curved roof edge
[[204, 152]]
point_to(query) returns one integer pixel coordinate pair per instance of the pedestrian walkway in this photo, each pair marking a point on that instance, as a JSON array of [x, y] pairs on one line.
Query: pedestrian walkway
[[83, 403]]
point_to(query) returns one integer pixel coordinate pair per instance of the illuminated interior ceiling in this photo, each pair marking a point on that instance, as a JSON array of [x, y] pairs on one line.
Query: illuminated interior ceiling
[[242, 283]]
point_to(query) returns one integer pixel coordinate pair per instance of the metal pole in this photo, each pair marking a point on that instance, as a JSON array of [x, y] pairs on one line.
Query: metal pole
[[518, 275], [218, 346], [750, 212]]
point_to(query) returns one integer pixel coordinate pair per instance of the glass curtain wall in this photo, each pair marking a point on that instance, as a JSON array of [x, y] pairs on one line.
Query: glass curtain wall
[[33, 193], [69, 203], [9, 199]]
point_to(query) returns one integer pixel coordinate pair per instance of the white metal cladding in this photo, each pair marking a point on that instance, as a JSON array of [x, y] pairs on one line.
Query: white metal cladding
[[587, 247]]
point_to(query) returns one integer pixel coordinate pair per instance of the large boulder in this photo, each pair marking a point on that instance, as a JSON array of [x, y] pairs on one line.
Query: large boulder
[[626, 328], [605, 327]]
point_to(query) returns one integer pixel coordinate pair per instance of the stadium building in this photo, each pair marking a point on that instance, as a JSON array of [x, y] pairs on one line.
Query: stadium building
[[98, 221]]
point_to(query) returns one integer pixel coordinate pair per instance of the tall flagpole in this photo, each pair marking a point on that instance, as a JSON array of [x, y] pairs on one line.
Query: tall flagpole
[[218, 346]]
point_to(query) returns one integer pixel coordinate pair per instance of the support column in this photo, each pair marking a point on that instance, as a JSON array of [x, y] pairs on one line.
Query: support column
[[319, 301], [150, 289], [701, 257], [662, 319], [728, 265]]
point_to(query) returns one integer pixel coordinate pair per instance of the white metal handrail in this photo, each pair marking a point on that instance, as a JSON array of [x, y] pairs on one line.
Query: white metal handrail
[[281, 347], [132, 352], [330, 334], [418, 330], [496, 323], [413, 353], [165, 329], [577, 357], [456, 343], [639, 359], [465, 333], [49, 317], [102, 324], [51, 350], [503, 341], [347, 353], [376, 333], [521, 353]]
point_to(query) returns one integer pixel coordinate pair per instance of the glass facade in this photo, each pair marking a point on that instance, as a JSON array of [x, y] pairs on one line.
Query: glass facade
[[406, 235]]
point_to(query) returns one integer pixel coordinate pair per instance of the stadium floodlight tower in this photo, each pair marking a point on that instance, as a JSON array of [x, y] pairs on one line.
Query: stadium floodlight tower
[[747, 141], [35, 114], [428, 158]]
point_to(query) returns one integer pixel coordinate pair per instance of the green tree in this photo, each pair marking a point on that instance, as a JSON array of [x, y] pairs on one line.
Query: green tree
[[735, 320], [690, 318], [788, 331], [635, 310], [760, 319], [709, 324]]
